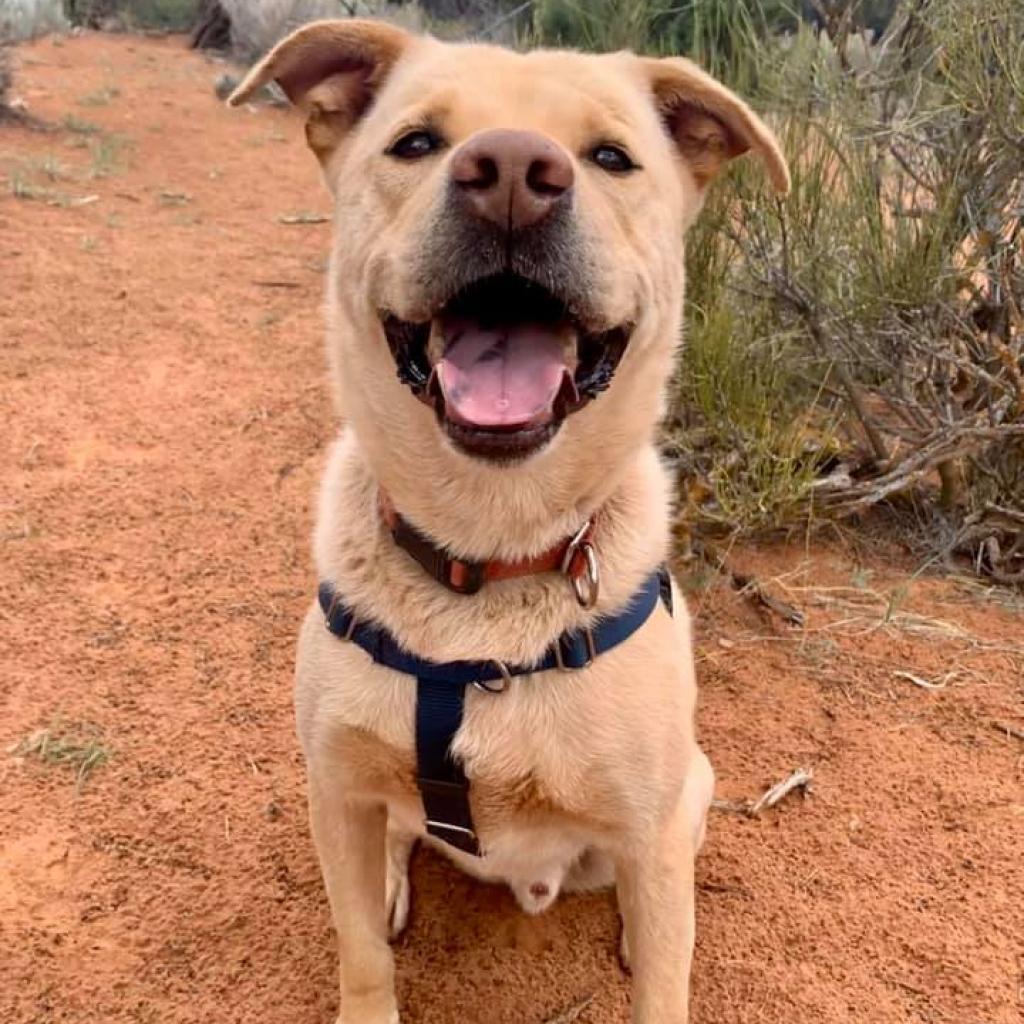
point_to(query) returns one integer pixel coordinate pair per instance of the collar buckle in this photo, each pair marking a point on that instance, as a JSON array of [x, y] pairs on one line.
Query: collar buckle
[[462, 577]]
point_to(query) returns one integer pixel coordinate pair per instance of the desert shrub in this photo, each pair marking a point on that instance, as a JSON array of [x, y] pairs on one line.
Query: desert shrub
[[166, 15], [256, 25], [169, 15], [90, 13], [887, 289], [595, 24], [5, 76], [861, 340], [23, 19]]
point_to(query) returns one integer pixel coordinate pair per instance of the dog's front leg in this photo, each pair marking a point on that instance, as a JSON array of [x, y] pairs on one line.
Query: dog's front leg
[[349, 837], [655, 891]]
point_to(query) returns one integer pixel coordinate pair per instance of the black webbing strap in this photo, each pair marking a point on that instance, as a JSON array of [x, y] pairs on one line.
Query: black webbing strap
[[443, 784], [665, 588]]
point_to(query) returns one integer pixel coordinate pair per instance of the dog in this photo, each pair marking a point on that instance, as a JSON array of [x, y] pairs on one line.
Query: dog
[[504, 300]]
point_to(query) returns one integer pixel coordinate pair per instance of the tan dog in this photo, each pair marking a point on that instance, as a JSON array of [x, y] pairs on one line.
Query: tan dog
[[507, 224]]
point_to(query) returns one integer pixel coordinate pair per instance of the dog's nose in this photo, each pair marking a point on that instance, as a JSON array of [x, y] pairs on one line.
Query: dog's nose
[[513, 178]]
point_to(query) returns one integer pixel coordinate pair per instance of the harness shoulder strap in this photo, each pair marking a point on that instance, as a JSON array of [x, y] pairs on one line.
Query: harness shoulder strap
[[442, 781]]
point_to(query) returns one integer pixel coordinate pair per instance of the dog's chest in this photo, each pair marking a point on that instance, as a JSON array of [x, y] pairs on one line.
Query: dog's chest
[[591, 747], [537, 752]]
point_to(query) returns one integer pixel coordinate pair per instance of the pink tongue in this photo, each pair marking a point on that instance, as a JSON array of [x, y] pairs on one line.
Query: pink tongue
[[501, 376]]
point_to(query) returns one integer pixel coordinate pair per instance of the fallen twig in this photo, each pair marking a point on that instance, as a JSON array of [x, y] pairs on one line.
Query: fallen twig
[[278, 284], [748, 586], [923, 683], [1008, 730], [303, 218], [951, 442], [800, 779], [572, 1013]]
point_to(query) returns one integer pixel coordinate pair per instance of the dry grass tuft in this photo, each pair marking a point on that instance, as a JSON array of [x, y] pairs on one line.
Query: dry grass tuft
[[78, 747]]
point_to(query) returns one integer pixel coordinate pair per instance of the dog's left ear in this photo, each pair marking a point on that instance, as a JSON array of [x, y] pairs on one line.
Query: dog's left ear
[[331, 70], [710, 124]]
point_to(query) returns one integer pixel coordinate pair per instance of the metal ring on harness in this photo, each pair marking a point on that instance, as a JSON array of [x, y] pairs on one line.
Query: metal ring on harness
[[496, 685], [588, 637]]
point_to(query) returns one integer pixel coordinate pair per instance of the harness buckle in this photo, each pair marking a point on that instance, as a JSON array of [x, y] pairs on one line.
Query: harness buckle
[[586, 585], [591, 653], [464, 839], [449, 799]]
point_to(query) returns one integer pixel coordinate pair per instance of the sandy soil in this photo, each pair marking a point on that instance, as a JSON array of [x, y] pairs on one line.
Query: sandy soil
[[164, 418]]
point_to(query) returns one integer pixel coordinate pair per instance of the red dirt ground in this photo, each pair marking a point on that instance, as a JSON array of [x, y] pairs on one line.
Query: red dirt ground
[[164, 418]]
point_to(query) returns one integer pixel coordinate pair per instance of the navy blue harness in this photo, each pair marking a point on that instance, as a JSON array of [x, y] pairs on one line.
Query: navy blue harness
[[441, 688]]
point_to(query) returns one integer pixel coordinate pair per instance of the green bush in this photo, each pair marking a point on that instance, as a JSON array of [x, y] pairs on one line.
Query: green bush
[[170, 15], [864, 337], [166, 15], [24, 19]]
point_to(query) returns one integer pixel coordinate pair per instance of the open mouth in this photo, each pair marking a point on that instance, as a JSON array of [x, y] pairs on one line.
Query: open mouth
[[503, 363]]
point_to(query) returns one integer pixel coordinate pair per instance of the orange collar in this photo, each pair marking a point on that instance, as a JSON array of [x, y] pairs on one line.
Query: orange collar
[[573, 556]]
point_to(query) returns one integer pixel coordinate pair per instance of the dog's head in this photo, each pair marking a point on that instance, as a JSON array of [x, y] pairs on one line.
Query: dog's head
[[507, 274]]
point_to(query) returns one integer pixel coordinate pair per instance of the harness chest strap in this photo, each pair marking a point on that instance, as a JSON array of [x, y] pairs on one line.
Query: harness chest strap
[[441, 687]]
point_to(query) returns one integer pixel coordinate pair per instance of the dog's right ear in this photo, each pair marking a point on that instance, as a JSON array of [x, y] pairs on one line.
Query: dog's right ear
[[331, 70], [709, 123]]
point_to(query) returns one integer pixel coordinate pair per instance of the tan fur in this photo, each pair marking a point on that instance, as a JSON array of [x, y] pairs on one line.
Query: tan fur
[[580, 777]]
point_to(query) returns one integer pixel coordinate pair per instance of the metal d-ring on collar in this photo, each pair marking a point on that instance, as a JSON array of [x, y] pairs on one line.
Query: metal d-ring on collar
[[587, 585]]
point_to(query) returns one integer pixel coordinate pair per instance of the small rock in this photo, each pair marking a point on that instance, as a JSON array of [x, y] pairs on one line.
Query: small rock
[[225, 86]]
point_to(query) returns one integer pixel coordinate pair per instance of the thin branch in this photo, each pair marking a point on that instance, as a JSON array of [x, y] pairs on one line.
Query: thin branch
[[1008, 730], [572, 1013], [800, 779]]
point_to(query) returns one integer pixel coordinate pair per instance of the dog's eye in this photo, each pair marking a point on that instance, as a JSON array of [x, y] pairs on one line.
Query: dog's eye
[[612, 158], [413, 145]]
